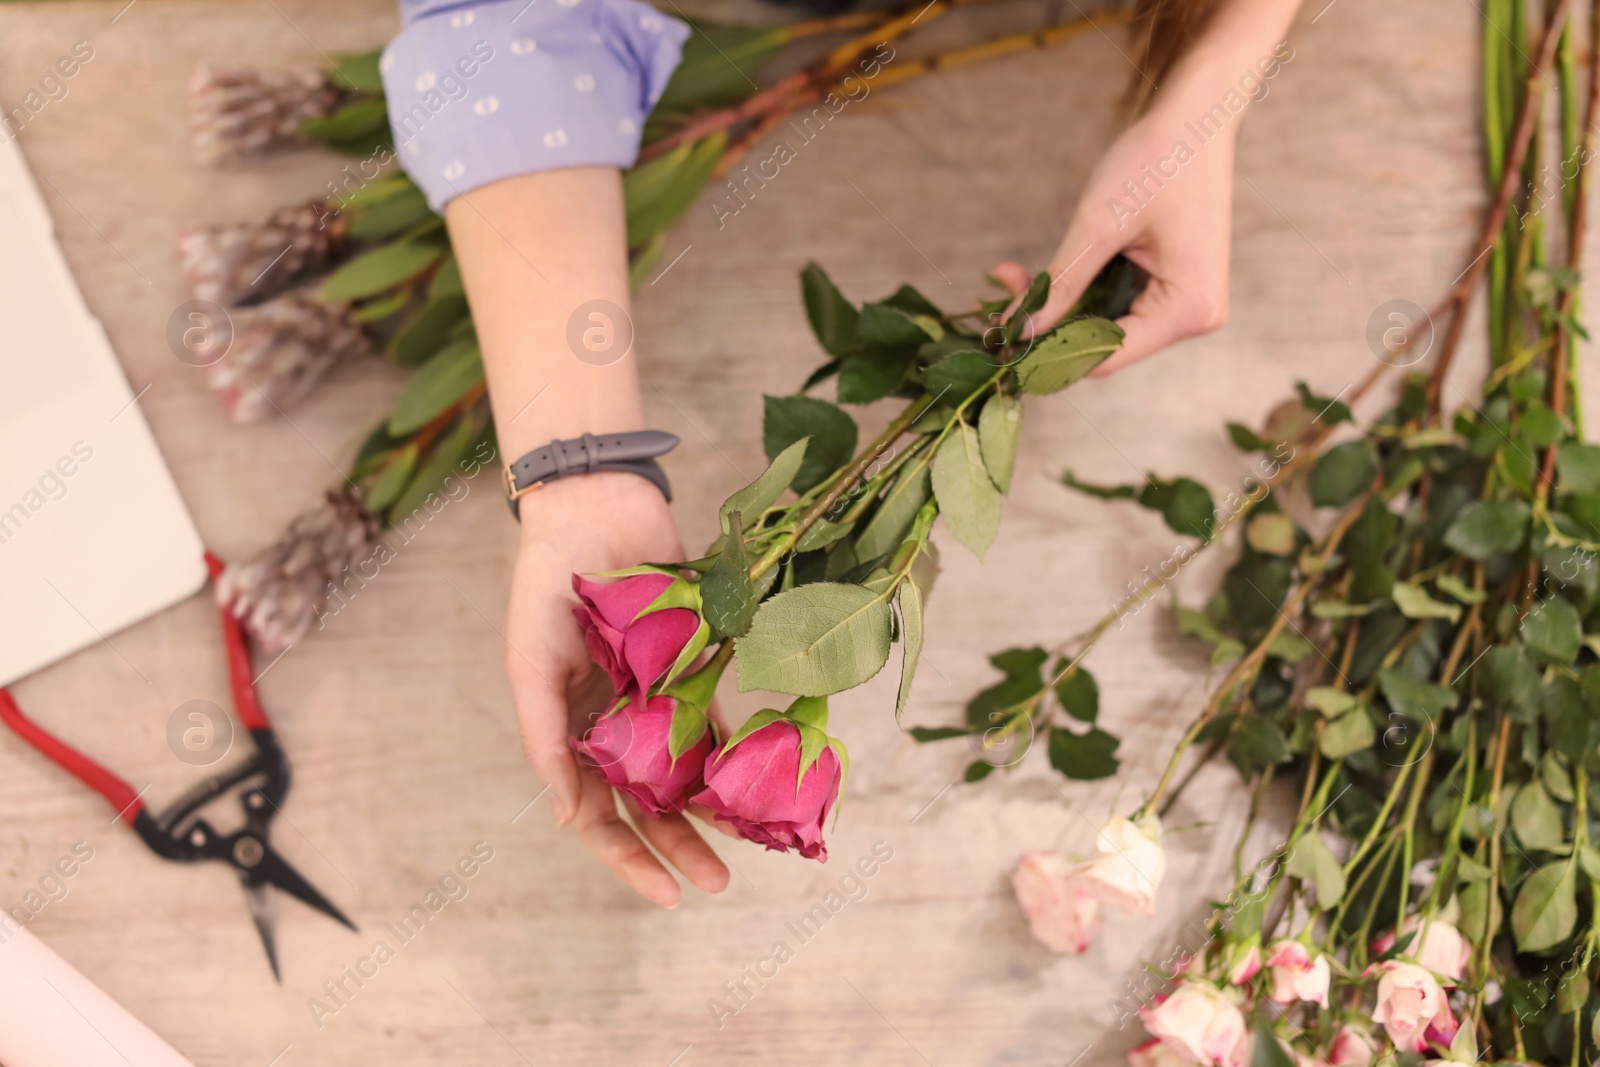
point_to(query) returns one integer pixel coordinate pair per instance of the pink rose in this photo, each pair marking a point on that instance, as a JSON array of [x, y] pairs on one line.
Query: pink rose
[[753, 782], [1410, 1002], [1060, 911], [634, 651], [1200, 1022], [1157, 1053], [1129, 866], [1246, 962], [1351, 1048], [1440, 947], [1296, 974], [629, 748]]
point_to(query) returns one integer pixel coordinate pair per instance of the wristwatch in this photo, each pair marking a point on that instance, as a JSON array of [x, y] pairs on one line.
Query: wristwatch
[[631, 453]]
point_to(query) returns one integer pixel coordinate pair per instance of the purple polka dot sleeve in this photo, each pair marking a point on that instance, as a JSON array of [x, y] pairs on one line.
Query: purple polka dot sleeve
[[483, 91]]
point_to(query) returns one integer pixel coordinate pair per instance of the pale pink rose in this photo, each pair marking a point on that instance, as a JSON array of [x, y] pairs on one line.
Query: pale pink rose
[[1060, 911], [1157, 1053], [1410, 1001], [1246, 963], [1351, 1048], [1440, 947], [1302, 1060], [1129, 866], [1198, 1021], [1296, 974]]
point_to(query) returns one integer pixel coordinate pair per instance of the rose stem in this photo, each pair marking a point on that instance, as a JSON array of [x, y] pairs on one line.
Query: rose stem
[[1460, 295], [842, 482]]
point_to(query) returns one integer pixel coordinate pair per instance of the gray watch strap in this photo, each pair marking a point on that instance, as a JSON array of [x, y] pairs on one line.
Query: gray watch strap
[[631, 453]]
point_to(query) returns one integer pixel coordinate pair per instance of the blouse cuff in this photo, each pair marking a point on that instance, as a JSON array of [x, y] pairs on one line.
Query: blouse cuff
[[478, 92]]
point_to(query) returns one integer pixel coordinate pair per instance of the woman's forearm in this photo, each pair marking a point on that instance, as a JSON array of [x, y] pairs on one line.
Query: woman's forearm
[[545, 264], [1237, 52]]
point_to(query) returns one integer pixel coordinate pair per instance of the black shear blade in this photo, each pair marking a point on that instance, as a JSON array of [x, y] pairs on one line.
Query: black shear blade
[[276, 870], [258, 895]]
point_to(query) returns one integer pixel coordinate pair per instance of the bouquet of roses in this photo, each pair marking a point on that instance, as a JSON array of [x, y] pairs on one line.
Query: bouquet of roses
[[825, 560]]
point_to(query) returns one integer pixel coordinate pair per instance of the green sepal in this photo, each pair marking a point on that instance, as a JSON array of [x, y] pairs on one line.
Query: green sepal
[[634, 572], [699, 687], [844, 775], [809, 711], [679, 594], [764, 717], [812, 742], [697, 644], [689, 725]]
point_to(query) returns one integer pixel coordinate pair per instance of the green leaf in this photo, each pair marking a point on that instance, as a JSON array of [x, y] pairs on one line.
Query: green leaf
[[378, 270], [1546, 908], [1244, 438], [977, 771], [440, 465], [1083, 757], [1470, 870], [1486, 527], [1313, 863], [658, 192], [380, 307], [359, 72], [814, 640], [447, 280], [1330, 411], [1349, 733], [728, 595], [1035, 298], [1415, 603], [718, 68], [395, 477], [689, 725], [353, 122], [1537, 820], [1023, 681], [1256, 743], [390, 215], [437, 385], [1330, 702], [959, 375], [428, 330], [1103, 492], [1552, 631], [1068, 354], [998, 428], [1510, 679], [1079, 695], [909, 600], [870, 376], [1184, 503], [762, 493], [1414, 698], [888, 328], [1578, 468], [895, 512], [937, 733], [967, 497], [1272, 533], [1342, 472], [833, 318], [1449, 583], [832, 431]]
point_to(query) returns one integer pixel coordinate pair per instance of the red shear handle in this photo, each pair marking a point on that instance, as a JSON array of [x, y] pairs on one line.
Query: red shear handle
[[119, 793], [240, 675]]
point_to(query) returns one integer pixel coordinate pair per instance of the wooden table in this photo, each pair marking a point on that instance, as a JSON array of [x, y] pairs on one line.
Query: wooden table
[[1357, 183]]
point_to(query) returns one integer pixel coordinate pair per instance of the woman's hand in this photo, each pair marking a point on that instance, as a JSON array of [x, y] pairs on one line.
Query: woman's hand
[[1163, 193], [584, 524], [1176, 228]]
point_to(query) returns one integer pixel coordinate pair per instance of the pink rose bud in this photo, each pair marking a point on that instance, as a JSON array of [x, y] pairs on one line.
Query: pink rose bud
[[1129, 866], [1351, 1048], [1410, 1003], [629, 748], [753, 780], [1297, 974], [1199, 1022], [634, 651], [1060, 910], [1245, 962], [1440, 948]]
